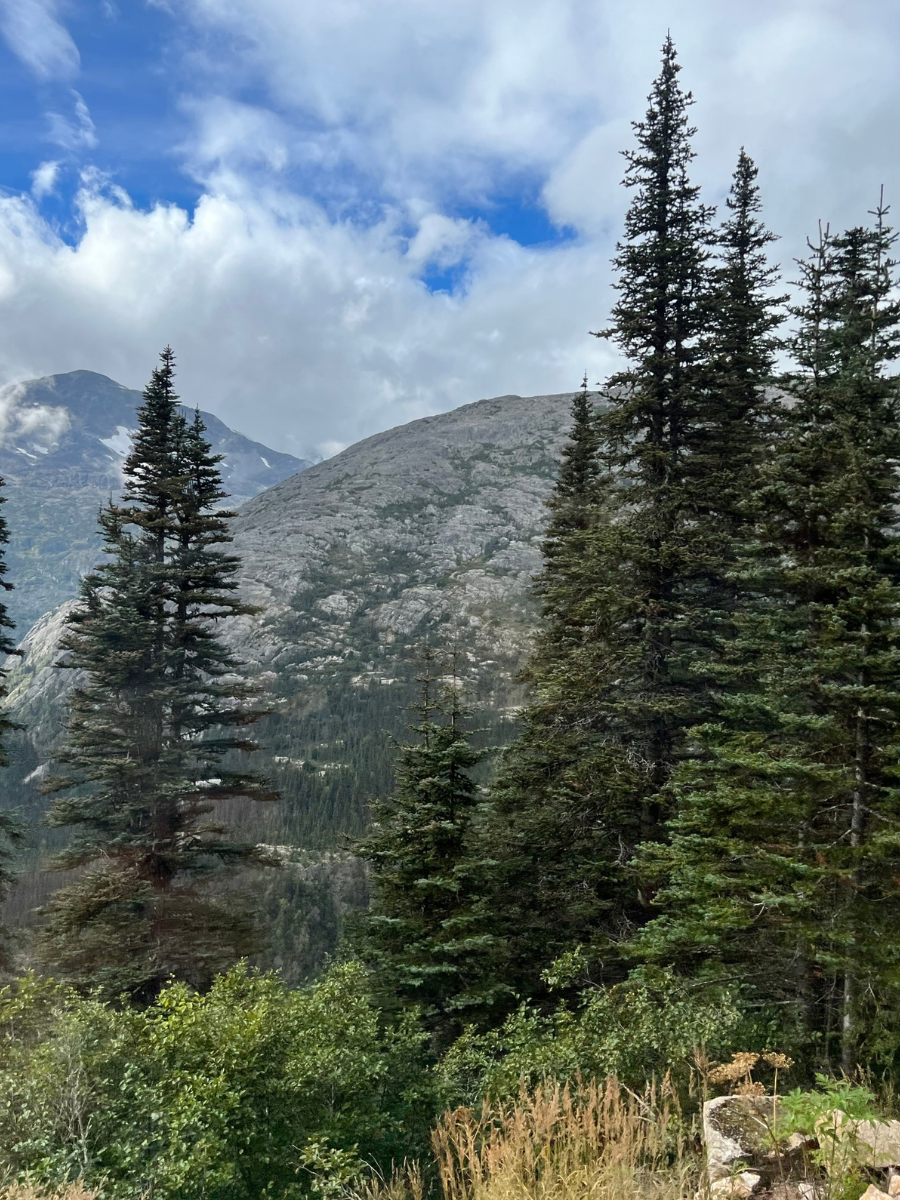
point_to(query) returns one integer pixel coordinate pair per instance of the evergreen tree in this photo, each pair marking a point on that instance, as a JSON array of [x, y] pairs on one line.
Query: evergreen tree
[[559, 868], [737, 411], [639, 599], [660, 409], [423, 936], [785, 851], [614, 673], [153, 727]]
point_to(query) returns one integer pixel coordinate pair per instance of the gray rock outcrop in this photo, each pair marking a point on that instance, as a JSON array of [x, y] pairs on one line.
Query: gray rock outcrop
[[431, 529], [739, 1130]]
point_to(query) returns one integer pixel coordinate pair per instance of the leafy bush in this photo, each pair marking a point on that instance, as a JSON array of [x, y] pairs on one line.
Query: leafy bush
[[646, 1026], [238, 1093], [832, 1113]]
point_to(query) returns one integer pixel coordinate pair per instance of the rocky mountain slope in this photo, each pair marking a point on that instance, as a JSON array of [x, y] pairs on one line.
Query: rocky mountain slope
[[62, 443], [429, 530]]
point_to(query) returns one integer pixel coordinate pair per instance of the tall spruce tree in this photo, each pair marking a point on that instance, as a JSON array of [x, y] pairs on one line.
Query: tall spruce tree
[[424, 937], [609, 713], [639, 597], [660, 409], [785, 852], [153, 727], [559, 867]]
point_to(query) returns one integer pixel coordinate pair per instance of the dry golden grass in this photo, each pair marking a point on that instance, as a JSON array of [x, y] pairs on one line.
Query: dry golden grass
[[595, 1142], [74, 1191]]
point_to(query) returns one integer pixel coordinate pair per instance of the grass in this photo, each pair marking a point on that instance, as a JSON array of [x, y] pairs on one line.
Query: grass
[[594, 1142]]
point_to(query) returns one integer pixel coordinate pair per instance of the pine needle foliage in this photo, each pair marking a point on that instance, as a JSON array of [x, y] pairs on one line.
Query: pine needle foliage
[[423, 938], [154, 723], [784, 855]]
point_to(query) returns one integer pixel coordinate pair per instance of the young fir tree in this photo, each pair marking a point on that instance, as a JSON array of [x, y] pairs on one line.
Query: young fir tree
[[785, 853], [153, 727], [559, 868], [423, 936]]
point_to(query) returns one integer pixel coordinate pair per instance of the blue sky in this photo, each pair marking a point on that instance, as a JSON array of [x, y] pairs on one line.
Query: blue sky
[[344, 214]]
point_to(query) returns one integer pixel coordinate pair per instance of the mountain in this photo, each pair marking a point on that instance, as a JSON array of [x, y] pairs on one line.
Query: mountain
[[63, 440], [432, 529]]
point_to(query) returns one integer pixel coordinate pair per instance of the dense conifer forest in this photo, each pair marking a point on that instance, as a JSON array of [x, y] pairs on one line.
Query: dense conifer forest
[[690, 853]]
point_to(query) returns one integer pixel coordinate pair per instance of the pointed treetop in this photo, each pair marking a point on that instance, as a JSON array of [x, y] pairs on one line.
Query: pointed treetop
[[664, 132]]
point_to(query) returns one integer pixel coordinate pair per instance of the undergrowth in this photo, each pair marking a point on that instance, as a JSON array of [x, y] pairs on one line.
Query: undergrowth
[[594, 1141]]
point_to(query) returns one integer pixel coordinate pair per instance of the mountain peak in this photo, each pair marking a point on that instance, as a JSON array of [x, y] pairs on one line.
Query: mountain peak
[[63, 440]]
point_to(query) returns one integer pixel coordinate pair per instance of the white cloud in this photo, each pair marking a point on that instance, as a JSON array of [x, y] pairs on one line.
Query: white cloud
[[442, 241], [307, 325], [34, 34], [36, 427], [457, 101], [76, 132], [298, 330], [43, 179], [232, 135]]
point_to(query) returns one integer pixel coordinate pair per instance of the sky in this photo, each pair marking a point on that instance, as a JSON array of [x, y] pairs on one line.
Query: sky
[[346, 214]]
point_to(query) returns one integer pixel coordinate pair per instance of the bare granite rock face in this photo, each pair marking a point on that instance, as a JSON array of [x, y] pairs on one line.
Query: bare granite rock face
[[735, 1187], [437, 521], [431, 529]]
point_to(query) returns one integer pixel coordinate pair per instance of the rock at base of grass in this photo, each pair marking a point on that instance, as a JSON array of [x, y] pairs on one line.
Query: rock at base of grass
[[874, 1193], [736, 1187], [869, 1143], [739, 1129], [802, 1189]]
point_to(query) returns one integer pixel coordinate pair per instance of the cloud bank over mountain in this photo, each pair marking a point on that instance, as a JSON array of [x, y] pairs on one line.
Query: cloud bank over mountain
[[350, 214]]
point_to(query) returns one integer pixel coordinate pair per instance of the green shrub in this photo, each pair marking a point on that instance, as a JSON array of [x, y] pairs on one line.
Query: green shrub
[[237, 1093], [635, 1030]]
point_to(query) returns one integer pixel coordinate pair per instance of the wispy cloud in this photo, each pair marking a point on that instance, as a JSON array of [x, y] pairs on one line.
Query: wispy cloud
[[75, 132], [36, 35]]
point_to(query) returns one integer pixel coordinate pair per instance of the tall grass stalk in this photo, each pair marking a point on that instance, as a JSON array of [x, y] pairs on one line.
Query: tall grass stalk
[[596, 1141]]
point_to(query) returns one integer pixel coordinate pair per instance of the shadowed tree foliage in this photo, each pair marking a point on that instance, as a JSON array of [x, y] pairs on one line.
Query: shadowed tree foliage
[[154, 724], [558, 869], [423, 937], [785, 852]]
